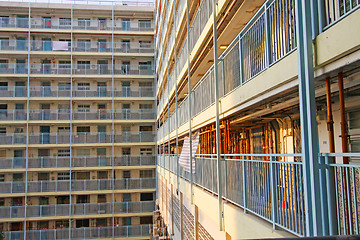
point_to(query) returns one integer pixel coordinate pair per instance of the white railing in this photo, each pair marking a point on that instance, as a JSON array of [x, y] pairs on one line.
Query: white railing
[[76, 185], [82, 233], [84, 138], [77, 161], [77, 24], [78, 46], [78, 69], [76, 209]]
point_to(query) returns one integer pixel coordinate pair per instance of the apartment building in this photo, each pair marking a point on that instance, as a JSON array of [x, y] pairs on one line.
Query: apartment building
[[282, 98], [77, 116]]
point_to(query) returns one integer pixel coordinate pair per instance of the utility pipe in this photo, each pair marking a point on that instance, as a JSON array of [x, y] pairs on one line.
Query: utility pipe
[[217, 110], [344, 135], [330, 121]]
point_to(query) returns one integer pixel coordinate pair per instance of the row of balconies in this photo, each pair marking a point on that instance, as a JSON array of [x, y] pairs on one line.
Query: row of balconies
[[76, 138], [77, 69], [76, 185], [76, 209], [82, 233], [58, 46], [77, 114], [76, 161], [77, 91], [76, 24]]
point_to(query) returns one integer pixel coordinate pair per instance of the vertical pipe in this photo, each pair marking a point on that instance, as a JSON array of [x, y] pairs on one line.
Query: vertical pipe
[[330, 121], [176, 102], [344, 136], [71, 113], [113, 121], [217, 110], [345, 149], [309, 132], [189, 99], [27, 122]]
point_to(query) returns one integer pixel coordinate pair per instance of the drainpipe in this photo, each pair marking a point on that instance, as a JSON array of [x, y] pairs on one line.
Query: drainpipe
[[344, 135], [330, 121], [345, 149], [217, 122]]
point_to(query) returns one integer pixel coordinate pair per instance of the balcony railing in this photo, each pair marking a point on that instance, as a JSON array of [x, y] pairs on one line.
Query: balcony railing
[[77, 185], [55, 91], [76, 209], [77, 24], [257, 53], [271, 186], [78, 69], [78, 46], [82, 233], [78, 114], [77, 161], [77, 138]]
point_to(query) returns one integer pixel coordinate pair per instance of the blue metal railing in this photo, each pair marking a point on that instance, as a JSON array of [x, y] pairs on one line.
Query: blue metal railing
[[271, 186]]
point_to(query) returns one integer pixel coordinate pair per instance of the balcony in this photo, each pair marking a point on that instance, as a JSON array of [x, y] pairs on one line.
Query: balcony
[[76, 209], [78, 69], [77, 138], [76, 24], [78, 46], [76, 161], [87, 92], [83, 233], [77, 185]]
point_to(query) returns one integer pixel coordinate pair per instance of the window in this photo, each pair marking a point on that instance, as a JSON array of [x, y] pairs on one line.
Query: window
[[146, 220], [64, 86], [62, 224], [101, 222], [3, 86], [145, 44], [82, 223], [144, 23], [64, 153], [126, 221], [145, 128], [126, 174], [2, 130], [4, 20], [146, 151], [83, 129], [145, 84], [17, 177], [2, 202], [17, 201], [145, 65], [101, 198], [146, 197], [63, 176], [2, 177], [65, 22], [146, 174], [83, 64], [83, 199], [127, 197], [84, 22], [43, 225], [64, 65], [83, 108], [63, 129], [83, 86], [145, 106]]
